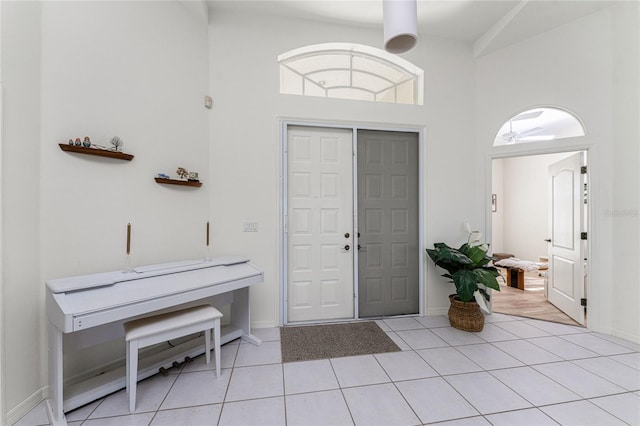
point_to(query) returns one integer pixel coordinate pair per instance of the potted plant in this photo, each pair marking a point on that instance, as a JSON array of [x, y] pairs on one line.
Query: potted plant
[[470, 269]]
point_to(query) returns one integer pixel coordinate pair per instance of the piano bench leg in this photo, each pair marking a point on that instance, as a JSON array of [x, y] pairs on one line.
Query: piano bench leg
[[132, 373], [128, 352], [149, 331]]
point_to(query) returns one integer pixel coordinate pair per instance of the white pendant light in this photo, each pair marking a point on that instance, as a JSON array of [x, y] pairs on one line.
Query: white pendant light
[[400, 25]]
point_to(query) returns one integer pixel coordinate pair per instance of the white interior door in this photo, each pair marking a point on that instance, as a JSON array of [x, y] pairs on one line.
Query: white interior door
[[566, 270], [388, 257], [319, 224]]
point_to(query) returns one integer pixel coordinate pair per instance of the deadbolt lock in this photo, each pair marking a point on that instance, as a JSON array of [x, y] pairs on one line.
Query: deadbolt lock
[[347, 235]]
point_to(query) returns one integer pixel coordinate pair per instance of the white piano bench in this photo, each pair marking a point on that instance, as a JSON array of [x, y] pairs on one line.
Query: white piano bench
[[149, 331]]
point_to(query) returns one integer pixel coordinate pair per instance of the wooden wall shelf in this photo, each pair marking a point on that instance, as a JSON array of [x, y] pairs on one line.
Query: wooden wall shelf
[[179, 182], [95, 151]]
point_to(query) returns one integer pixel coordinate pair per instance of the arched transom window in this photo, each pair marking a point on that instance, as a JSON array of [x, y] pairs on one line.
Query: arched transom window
[[350, 71], [539, 124]]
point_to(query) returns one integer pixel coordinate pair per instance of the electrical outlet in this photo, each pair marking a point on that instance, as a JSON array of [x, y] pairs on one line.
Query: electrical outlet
[[250, 227]]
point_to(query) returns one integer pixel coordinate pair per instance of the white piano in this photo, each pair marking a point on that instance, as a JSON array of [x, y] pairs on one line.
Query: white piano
[[90, 309]]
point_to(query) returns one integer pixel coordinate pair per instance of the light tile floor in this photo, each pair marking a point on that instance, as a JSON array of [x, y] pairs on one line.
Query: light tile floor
[[516, 371]]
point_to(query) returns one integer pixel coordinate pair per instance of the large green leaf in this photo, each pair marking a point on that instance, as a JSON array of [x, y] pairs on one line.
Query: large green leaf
[[466, 282], [467, 267], [448, 258], [455, 256], [486, 277], [464, 248], [444, 252], [476, 254], [483, 262]]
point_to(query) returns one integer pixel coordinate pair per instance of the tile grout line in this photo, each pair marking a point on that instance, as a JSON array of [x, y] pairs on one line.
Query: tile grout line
[[572, 361], [224, 398], [442, 377], [344, 398]]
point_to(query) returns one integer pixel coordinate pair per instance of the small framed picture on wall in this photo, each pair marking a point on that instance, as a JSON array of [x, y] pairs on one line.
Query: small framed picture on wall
[[494, 203]]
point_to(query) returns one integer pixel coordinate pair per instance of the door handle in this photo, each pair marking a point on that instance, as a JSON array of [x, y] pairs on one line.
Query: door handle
[[361, 248], [548, 240], [347, 247]]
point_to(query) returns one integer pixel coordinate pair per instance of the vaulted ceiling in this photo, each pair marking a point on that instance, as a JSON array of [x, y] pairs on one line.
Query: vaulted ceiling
[[487, 24]]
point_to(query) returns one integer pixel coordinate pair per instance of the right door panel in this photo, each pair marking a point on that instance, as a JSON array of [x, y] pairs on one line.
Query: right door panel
[[388, 267]]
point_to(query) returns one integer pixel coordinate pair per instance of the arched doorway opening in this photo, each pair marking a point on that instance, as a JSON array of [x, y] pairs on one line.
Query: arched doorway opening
[[539, 213]]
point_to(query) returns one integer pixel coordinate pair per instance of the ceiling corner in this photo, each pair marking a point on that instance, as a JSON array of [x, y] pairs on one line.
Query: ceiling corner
[[198, 9], [484, 43]]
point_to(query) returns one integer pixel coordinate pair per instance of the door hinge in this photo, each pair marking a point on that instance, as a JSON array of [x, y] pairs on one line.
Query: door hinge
[[583, 235], [583, 170], [583, 302]]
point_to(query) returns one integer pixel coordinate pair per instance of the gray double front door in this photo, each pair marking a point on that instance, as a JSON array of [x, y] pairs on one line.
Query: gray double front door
[[326, 190]]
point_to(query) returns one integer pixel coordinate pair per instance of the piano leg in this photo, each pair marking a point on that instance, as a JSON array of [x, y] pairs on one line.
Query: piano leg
[[56, 397], [241, 316]]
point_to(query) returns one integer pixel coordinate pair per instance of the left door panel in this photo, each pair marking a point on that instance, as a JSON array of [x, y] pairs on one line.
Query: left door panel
[[319, 224]]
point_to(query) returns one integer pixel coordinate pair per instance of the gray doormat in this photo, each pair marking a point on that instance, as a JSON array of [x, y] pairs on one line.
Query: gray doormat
[[305, 343]]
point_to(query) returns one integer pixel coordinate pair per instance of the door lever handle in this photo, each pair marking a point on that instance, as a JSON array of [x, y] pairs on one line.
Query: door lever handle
[[347, 247], [548, 240]]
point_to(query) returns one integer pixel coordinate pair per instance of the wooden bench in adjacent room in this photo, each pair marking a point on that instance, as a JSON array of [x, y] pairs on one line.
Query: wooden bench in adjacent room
[[516, 268]]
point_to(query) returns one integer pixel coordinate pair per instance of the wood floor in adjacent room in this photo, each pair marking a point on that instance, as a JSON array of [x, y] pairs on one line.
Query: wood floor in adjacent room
[[529, 303]]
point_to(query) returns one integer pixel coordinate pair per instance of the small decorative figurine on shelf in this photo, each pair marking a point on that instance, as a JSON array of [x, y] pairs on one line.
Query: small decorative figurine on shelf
[[193, 177], [182, 172], [116, 142], [78, 142], [70, 141], [86, 142], [163, 176]]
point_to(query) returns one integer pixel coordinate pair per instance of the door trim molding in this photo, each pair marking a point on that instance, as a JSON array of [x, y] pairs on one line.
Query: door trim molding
[[573, 144], [283, 125]]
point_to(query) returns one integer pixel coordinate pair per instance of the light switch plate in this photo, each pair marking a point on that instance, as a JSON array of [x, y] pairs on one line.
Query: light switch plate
[[250, 227]]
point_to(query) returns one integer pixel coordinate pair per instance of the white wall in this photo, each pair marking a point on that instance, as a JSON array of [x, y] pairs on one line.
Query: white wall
[[525, 203], [245, 150], [138, 70], [23, 299], [625, 213], [589, 67]]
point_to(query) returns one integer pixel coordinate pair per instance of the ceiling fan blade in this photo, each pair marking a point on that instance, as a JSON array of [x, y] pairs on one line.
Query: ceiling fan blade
[[530, 132], [527, 115]]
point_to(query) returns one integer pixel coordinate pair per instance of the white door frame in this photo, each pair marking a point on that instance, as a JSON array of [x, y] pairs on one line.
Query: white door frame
[[556, 147], [283, 124]]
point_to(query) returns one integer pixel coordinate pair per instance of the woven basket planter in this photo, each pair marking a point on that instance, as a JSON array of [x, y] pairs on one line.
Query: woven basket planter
[[465, 315]]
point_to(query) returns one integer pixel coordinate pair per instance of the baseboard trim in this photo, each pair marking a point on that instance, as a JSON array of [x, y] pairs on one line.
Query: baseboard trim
[[27, 405], [438, 311], [626, 336], [263, 324]]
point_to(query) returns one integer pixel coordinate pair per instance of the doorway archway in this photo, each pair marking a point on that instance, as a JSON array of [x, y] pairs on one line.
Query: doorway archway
[[540, 137], [539, 124]]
